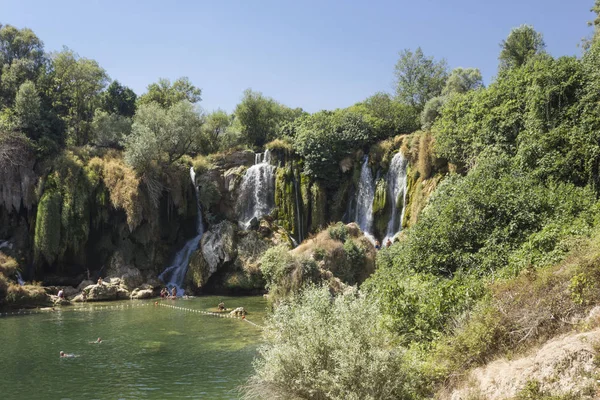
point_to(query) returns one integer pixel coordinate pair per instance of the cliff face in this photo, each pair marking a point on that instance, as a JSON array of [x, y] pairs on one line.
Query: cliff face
[[86, 210]]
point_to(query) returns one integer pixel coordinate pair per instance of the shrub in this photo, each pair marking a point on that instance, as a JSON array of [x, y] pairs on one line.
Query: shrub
[[338, 231], [342, 338], [8, 265]]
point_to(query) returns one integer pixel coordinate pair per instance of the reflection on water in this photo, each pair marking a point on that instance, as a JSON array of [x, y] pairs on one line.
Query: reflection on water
[[146, 352]]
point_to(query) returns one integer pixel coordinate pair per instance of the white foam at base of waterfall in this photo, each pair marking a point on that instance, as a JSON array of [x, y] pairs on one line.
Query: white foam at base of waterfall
[[257, 191], [365, 193], [396, 184], [174, 275]]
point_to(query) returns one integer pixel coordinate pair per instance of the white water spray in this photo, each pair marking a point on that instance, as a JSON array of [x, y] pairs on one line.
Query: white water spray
[[257, 191], [174, 275], [365, 193], [396, 183]]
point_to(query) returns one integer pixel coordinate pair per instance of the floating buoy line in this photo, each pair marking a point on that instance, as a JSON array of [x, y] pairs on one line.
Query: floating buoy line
[[126, 306]]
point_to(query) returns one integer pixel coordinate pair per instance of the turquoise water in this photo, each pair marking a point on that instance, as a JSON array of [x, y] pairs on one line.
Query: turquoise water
[[147, 352]]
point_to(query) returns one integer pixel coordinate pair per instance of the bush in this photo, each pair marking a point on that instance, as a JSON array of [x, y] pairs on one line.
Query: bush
[[338, 231], [342, 338]]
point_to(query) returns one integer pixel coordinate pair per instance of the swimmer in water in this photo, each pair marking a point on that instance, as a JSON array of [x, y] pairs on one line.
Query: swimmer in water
[[97, 341], [65, 355]]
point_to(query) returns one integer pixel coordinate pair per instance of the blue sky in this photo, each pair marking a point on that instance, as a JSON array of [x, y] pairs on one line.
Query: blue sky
[[310, 54]]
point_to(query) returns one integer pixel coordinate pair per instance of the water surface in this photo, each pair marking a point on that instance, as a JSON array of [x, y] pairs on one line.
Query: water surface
[[147, 351]]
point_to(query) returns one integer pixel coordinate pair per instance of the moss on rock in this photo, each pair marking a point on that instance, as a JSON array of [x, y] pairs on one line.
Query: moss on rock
[[47, 229]]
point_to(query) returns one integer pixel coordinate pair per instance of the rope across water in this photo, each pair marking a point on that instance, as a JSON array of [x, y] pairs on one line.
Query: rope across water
[[125, 306], [214, 314]]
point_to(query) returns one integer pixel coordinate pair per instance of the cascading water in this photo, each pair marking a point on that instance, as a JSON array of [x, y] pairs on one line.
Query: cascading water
[[365, 193], [299, 227], [396, 183], [257, 191], [20, 279], [175, 273]]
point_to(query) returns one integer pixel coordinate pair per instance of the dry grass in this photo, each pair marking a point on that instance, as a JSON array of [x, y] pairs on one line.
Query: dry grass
[[27, 295], [523, 313], [8, 265], [123, 186]]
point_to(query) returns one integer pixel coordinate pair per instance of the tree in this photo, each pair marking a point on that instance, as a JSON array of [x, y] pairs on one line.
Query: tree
[[521, 44], [118, 99], [16, 44], [21, 59], [419, 78], [216, 123], [387, 117], [161, 136], [461, 80], [167, 95], [76, 85], [260, 117], [431, 112], [27, 108], [109, 130]]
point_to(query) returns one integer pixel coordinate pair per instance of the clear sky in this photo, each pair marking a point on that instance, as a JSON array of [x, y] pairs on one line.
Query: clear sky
[[312, 54]]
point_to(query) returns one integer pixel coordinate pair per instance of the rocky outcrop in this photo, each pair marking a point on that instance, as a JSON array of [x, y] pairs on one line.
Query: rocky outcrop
[[217, 248], [238, 312], [129, 276], [106, 291], [144, 292]]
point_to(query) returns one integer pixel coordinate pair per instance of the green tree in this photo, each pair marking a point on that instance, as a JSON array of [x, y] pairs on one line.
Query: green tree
[[27, 109], [431, 112], [21, 58], [461, 80], [386, 116], [419, 78], [216, 123], [166, 94], [160, 136], [520, 46], [109, 130], [261, 118], [18, 44], [118, 99], [76, 87]]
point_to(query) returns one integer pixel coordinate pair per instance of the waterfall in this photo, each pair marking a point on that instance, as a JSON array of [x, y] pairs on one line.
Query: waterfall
[[298, 215], [396, 183], [174, 275], [20, 279], [365, 193], [257, 191]]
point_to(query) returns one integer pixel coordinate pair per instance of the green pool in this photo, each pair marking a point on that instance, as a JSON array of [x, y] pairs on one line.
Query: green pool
[[147, 352]]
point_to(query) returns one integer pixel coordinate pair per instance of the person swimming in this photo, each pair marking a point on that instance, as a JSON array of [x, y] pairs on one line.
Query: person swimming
[[97, 341], [66, 355]]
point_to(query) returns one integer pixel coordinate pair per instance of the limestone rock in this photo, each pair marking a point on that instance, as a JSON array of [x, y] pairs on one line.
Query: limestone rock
[[264, 228], [217, 248], [144, 292], [238, 312], [85, 283], [233, 177], [130, 277], [57, 301], [106, 291], [218, 245], [254, 223]]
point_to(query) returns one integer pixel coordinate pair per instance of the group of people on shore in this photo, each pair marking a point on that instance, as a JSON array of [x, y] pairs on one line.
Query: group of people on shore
[[378, 245], [164, 293]]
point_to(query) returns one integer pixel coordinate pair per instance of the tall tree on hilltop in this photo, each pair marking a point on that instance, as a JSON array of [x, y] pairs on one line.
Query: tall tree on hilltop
[[76, 86], [520, 46], [419, 78], [166, 94]]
